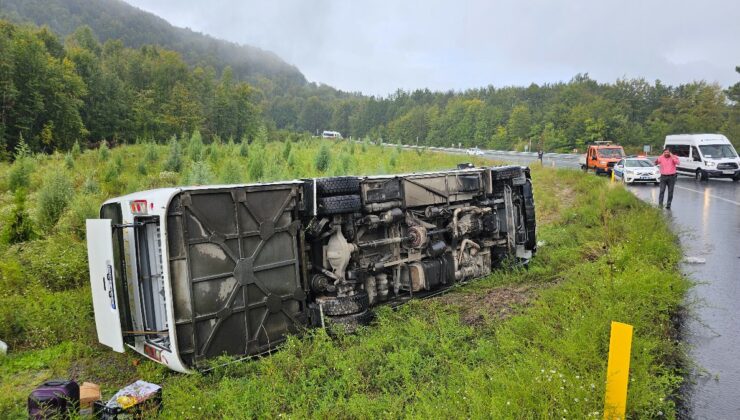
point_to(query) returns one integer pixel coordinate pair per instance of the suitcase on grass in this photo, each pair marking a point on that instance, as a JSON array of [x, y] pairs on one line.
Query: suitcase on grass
[[54, 399]]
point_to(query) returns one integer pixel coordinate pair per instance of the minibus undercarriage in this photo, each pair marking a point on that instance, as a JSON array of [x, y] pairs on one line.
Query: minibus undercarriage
[[232, 270]]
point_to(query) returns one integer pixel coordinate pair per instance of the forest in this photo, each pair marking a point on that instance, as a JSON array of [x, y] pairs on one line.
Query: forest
[[116, 19], [54, 93]]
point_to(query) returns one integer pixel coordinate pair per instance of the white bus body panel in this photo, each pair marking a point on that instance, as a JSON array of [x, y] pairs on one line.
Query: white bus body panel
[[103, 283]]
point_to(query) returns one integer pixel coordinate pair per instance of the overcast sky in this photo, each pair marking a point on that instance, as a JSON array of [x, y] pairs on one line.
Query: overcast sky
[[379, 46]]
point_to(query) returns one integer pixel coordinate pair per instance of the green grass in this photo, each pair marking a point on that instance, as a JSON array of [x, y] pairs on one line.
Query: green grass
[[606, 257]]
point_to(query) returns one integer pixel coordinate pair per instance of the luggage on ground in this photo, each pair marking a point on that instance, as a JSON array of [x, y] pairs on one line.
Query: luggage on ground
[[54, 399]]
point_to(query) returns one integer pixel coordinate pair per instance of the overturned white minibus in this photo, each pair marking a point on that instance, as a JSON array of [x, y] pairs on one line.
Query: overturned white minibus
[[185, 274]]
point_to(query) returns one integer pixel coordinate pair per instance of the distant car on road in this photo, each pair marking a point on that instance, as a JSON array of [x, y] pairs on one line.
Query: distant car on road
[[636, 170], [331, 134], [474, 151]]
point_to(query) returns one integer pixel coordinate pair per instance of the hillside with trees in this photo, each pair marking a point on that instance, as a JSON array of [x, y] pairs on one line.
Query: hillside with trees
[[560, 116], [55, 94], [115, 19]]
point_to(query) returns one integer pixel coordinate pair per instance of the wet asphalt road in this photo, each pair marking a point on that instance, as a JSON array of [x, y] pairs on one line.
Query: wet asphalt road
[[706, 216]]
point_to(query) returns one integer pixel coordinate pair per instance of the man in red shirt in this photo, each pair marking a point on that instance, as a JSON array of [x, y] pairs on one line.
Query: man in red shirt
[[667, 162]]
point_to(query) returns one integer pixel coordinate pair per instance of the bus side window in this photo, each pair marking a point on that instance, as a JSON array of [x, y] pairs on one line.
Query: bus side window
[[680, 150], [695, 154]]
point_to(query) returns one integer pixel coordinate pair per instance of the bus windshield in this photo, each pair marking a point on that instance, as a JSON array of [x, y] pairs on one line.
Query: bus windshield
[[717, 151]]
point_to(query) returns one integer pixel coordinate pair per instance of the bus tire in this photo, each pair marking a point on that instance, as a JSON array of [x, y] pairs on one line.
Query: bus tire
[[344, 305], [340, 185], [349, 323], [339, 204]]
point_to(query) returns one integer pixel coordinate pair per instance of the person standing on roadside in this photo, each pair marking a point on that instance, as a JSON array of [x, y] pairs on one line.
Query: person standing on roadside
[[667, 162]]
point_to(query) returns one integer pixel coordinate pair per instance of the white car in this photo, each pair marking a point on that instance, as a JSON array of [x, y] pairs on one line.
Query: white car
[[634, 170], [474, 151]]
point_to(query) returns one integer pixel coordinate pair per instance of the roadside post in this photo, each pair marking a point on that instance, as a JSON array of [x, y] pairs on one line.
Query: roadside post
[[617, 371]]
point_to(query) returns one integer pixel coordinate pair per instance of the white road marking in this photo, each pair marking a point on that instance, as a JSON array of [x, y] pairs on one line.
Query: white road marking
[[711, 195]]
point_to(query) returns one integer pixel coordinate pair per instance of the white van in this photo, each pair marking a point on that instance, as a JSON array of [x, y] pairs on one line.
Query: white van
[[704, 155], [331, 134]]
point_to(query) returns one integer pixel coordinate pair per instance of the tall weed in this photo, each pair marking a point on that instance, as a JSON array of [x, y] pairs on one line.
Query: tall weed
[[323, 158], [18, 226], [20, 174], [52, 200]]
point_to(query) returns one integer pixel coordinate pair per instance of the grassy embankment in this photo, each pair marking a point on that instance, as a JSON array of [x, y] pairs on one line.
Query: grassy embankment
[[517, 344]]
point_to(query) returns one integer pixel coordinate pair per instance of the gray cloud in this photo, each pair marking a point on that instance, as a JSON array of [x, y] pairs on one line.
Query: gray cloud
[[377, 47]]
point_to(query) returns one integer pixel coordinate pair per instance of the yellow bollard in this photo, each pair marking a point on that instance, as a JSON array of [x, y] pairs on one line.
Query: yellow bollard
[[618, 371], [613, 176]]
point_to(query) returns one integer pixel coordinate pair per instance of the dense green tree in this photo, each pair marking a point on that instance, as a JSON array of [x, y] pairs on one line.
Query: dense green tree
[[40, 92], [53, 199], [106, 106], [18, 226], [340, 119], [323, 158], [520, 121], [181, 112], [284, 112], [315, 116], [734, 91], [410, 126], [174, 157]]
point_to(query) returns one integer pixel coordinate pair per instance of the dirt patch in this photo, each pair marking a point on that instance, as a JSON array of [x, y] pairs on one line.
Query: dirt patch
[[499, 303], [105, 368], [565, 197]]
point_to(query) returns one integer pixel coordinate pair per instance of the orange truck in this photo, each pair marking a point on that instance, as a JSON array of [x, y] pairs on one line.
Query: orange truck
[[601, 156]]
